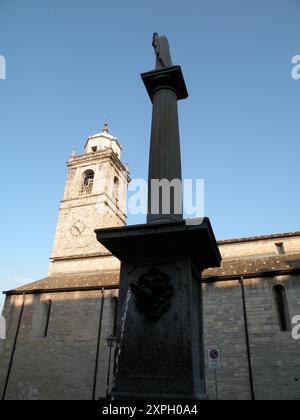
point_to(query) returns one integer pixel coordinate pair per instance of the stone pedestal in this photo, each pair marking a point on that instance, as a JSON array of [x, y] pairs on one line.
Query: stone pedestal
[[160, 330], [165, 87]]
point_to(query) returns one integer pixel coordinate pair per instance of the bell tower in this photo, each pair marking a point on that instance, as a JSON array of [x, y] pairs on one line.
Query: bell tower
[[95, 194]]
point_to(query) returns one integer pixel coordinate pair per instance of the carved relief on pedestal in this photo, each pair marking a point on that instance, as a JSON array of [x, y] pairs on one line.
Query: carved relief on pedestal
[[153, 294]]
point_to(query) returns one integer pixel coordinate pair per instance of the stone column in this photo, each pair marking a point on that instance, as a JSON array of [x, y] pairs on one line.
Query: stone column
[[165, 87]]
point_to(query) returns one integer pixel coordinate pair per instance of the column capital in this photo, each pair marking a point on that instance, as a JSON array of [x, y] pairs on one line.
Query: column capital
[[169, 78]]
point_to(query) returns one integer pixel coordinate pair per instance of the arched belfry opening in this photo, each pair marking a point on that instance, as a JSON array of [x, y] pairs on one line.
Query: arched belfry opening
[[87, 182]]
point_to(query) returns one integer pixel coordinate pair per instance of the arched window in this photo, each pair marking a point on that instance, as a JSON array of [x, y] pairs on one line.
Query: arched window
[[281, 302], [116, 191], [87, 183], [47, 313]]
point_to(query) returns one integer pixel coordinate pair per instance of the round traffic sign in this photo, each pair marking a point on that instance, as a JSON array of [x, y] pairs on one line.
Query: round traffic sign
[[214, 354]]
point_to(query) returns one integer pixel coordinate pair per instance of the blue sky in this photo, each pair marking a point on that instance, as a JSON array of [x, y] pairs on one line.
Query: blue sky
[[72, 64]]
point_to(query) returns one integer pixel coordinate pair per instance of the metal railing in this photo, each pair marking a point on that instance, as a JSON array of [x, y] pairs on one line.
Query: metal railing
[[86, 190]]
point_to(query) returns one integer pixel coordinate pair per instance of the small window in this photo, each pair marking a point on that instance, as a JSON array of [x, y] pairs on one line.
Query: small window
[[280, 248], [87, 184], [281, 302], [94, 149]]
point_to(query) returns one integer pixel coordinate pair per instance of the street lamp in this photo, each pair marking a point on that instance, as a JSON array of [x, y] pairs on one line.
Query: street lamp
[[111, 340]]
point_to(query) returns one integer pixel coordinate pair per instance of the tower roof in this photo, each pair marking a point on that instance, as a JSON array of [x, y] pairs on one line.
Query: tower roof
[[103, 140], [104, 133]]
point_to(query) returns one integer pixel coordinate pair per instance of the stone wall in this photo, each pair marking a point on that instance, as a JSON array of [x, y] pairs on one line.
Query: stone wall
[[81, 264], [63, 364], [274, 354], [259, 246]]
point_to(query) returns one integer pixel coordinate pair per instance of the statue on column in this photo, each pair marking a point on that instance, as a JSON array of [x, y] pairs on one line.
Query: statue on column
[[162, 51]]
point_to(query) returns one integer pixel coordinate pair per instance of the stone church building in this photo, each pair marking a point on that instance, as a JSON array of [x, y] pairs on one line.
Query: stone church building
[[57, 327]]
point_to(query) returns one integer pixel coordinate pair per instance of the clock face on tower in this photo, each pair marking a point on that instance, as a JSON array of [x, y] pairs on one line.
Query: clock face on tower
[[77, 229]]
